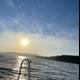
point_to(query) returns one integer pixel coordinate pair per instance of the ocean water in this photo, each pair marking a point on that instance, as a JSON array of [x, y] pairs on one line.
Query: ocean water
[[41, 69]]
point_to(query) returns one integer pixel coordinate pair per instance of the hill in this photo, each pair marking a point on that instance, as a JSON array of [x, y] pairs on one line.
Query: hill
[[63, 58]]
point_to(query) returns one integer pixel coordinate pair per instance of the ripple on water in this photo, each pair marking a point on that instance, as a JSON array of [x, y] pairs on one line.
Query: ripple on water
[[41, 69]]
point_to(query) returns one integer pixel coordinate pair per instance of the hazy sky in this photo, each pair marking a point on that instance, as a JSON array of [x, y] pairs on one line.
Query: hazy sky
[[52, 26]]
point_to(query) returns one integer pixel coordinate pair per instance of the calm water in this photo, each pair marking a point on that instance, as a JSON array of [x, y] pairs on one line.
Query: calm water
[[41, 69]]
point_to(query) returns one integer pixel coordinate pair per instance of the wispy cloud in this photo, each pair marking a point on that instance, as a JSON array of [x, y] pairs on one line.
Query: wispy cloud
[[30, 25], [46, 38], [10, 3], [52, 22]]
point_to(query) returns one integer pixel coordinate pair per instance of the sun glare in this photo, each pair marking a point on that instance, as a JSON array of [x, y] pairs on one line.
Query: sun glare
[[24, 42]]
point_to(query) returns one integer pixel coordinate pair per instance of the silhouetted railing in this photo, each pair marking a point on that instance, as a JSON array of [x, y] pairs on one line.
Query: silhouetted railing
[[29, 61]]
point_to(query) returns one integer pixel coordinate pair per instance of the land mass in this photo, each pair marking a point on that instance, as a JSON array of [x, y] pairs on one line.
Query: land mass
[[63, 58]]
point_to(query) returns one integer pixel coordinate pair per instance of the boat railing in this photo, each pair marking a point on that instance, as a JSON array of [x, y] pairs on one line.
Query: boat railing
[[29, 61]]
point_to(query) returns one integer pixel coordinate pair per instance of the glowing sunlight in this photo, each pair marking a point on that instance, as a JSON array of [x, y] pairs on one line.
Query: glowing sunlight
[[24, 42]]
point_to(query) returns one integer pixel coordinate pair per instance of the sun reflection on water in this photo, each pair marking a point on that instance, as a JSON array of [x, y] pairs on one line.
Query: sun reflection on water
[[17, 67], [19, 59]]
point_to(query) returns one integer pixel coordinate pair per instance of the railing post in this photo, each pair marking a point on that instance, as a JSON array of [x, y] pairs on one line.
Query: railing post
[[29, 61]]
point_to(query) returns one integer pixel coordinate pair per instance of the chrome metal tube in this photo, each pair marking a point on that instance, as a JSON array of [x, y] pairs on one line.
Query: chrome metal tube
[[29, 61]]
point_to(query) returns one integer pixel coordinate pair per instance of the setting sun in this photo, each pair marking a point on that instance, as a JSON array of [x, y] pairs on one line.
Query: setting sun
[[24, 42]]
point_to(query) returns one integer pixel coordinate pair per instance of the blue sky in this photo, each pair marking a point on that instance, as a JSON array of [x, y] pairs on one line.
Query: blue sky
[[57, 19]]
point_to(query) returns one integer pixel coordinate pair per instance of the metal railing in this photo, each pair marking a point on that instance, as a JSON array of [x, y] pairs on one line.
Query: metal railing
[[29, 61]]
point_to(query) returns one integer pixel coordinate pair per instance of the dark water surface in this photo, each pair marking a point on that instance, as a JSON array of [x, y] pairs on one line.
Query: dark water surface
[[41, 69]]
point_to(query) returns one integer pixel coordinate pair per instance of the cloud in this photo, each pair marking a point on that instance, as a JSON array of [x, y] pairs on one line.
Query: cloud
[[53, 32], [21, 23], [10, 3]]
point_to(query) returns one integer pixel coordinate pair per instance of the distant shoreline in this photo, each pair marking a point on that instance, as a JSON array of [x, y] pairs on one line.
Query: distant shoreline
[[63, 58]]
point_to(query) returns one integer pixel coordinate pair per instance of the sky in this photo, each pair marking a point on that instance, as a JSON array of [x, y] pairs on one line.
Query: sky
[[52, 26]]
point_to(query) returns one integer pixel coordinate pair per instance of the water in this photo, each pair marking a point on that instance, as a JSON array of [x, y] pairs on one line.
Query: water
[[41, 69]]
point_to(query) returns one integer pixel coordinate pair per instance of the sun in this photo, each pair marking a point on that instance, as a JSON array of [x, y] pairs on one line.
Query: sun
[[24, 42]]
